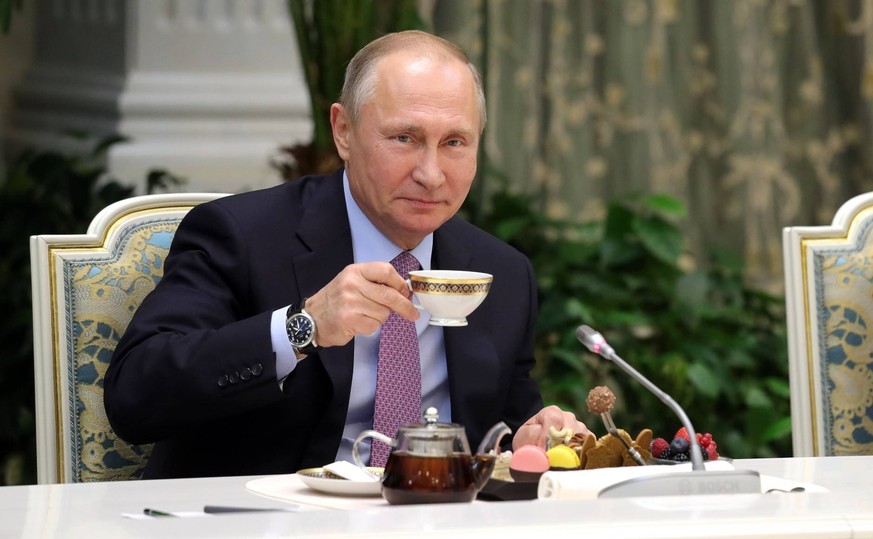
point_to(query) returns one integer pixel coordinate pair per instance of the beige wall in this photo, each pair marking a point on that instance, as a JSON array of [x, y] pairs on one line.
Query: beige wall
[[207, 90]]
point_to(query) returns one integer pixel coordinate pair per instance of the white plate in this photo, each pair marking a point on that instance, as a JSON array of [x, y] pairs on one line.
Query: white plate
[[320, 480]]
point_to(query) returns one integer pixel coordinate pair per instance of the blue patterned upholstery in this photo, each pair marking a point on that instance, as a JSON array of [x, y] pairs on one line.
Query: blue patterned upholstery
[[94, 284], [829, 293]]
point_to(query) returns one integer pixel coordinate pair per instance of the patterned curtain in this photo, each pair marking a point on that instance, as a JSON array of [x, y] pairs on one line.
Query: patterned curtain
[[755, 113]]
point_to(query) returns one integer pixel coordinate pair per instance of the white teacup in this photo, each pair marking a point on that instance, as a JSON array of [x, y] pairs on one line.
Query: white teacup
[[449, 295]]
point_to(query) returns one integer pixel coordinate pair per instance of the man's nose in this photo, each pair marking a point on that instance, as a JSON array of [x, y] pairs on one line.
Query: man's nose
[[428, 171]]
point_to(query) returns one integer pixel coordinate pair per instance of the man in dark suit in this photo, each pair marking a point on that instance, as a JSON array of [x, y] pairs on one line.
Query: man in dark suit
[[205, 369]]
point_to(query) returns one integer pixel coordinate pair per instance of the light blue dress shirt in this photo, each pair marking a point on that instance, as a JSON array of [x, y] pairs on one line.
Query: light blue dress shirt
[[370, 245]]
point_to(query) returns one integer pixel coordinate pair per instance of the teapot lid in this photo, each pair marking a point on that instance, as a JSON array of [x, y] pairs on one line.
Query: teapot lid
[[431, 424], [432, 438]]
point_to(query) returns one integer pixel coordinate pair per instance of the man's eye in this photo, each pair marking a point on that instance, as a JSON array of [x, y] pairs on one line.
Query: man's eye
[[403, 138], [455, 142]]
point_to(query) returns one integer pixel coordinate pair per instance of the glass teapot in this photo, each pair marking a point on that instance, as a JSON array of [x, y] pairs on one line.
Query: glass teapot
[[431, 462]]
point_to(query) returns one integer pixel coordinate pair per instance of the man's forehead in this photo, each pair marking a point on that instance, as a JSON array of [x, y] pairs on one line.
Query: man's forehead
[[417, 61], [421, 65], [438, 79]]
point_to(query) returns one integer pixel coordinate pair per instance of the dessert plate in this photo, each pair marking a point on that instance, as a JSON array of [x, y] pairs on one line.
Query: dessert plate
[[509, 490], [501, 486], [668, 462], [322, 481]]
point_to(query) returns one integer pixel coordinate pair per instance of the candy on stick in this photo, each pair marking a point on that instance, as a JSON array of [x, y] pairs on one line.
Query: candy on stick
[[600, 401]]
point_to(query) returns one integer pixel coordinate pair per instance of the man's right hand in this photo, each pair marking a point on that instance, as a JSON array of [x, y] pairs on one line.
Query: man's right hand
[[536, 429], [358, 301]]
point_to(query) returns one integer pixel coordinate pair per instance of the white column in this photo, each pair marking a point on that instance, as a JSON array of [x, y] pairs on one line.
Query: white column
[[206, 89]]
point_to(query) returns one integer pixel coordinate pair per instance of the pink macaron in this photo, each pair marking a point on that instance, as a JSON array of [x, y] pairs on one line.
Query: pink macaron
[[528, 463]]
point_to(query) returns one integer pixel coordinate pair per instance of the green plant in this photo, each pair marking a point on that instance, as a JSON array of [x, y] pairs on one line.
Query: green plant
[[44, 192], [6, 7], [329, 33], [717, 346]]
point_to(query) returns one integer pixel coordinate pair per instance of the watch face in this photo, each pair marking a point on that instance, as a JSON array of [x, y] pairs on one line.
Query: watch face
[[300, 330]]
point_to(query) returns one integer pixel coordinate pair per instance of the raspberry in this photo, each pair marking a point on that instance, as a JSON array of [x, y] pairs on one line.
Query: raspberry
[[659, 445], [679, 448], [711, 451]]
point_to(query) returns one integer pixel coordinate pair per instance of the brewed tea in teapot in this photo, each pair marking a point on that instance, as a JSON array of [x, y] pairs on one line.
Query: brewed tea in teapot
[[431, 462]]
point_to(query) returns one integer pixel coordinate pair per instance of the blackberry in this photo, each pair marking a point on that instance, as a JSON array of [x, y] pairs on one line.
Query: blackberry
[[681, 457], [704, 451]]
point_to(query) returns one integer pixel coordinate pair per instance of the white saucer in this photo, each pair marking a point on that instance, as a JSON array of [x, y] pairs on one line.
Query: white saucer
[[318, 479]]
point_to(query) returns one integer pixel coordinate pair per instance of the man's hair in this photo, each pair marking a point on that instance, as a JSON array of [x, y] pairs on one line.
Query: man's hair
[[360, 82]]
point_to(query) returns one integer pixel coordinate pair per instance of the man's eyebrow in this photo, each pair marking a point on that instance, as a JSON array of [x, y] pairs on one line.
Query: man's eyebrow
[[416, 129], [462, 132], [401, 128]]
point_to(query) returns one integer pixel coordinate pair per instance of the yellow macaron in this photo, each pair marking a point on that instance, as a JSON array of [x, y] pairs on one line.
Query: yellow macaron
[[562, 456]]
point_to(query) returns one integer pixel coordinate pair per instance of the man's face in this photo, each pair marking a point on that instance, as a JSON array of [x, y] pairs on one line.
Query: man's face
[[411, 155]]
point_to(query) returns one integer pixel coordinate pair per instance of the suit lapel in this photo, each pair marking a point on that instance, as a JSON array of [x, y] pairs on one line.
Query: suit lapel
[[324, 229]]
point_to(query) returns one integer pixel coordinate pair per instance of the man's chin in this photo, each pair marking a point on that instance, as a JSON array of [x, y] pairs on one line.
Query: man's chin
[[414, 230]]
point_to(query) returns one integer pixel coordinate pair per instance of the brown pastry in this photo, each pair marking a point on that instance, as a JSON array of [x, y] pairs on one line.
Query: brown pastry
[[608, 451], [582, 444], [604, 454], [641, 444]]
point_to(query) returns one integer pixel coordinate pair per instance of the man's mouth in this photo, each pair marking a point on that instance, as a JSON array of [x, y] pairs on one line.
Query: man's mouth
[[423, 203]]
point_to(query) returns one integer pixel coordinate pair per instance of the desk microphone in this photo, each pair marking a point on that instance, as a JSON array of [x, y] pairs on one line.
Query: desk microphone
[[670, 484]]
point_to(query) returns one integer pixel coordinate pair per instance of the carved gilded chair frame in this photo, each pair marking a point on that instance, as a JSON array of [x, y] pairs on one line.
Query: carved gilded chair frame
[[85, 289], [829, 300]]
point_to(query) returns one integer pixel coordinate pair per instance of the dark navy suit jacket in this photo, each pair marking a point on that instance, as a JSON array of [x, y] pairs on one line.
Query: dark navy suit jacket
[[195, 370]]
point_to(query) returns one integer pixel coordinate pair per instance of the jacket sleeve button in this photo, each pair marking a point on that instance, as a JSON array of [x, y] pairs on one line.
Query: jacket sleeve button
[[222, 380], [233, 378], [257, 369], [245, 374]]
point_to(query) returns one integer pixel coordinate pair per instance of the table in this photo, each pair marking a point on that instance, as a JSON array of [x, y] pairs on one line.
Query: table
[[94, 510]]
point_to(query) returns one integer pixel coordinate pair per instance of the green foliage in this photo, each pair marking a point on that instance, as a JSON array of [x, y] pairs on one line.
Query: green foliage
[[44, 193], [329, 33], [717, 346], [6, 7]]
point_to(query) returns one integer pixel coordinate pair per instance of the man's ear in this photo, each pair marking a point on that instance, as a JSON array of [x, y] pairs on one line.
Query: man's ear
[[341, 127]]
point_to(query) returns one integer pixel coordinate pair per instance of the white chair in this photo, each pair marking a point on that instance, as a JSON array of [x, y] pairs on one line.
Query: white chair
[[829, 301], [86, 287]]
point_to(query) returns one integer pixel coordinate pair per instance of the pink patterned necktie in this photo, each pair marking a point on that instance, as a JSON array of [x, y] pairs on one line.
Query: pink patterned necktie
[[398, 375]]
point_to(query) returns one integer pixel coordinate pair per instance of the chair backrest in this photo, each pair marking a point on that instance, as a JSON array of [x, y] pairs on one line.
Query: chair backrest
[[86, 288], [829, 301]]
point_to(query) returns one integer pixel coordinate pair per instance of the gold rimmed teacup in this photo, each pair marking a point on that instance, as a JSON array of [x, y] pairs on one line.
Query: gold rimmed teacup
[[449, 295]]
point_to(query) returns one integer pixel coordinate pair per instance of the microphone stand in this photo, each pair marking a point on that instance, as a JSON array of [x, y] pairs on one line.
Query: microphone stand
[[670, 484]]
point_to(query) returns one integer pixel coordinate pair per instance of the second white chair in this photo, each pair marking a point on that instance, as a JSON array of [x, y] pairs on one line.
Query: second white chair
[[829, 300]]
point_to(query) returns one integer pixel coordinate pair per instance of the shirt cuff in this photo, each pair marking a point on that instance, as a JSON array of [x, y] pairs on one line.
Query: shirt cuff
[[286, 359]]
